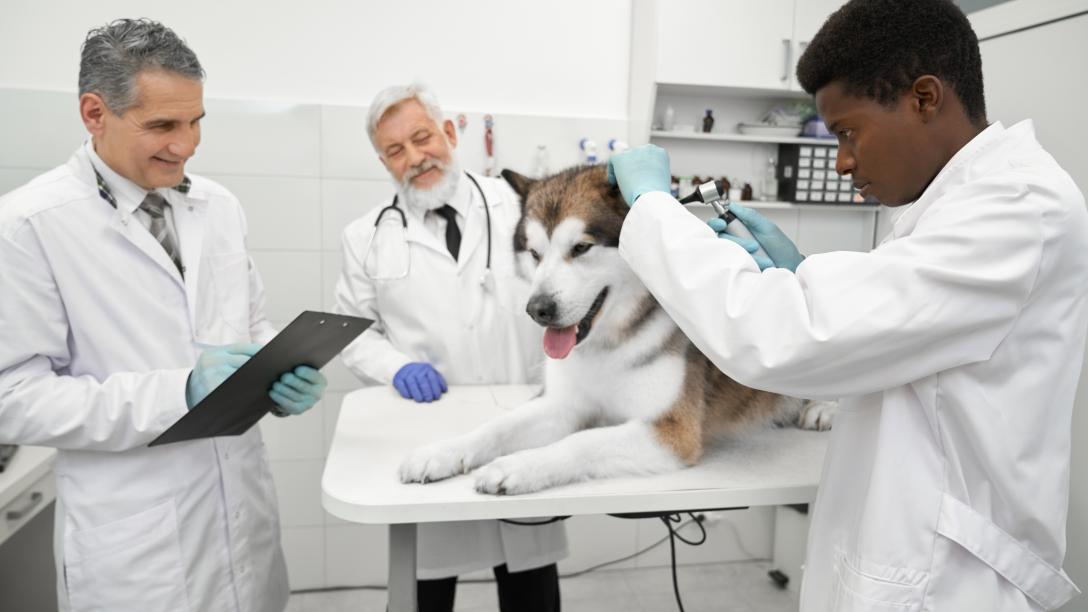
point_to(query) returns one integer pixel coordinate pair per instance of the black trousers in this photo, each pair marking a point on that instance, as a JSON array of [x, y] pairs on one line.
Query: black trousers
[[535, 590]]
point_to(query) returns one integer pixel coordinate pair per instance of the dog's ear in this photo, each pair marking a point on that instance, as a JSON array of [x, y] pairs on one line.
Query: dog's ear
[[519, 182]]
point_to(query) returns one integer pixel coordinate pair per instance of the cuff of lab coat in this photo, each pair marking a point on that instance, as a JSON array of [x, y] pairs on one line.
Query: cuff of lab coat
[[657, 221], [173, 397]]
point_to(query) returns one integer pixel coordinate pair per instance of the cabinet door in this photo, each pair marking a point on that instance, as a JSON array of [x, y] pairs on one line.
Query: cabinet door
[[808, 17], [726, 43]]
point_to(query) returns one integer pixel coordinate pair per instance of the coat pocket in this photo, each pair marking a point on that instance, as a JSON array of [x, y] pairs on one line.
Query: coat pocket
[[131, 564], [861, 586], [223, 300]]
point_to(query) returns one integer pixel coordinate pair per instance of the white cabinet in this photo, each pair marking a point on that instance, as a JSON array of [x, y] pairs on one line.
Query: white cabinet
[[808, 17], [732, 43], [736, 43]]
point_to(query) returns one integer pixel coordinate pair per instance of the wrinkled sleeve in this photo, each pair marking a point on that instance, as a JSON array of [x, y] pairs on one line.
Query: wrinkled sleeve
[[847, 323], [39, 405]]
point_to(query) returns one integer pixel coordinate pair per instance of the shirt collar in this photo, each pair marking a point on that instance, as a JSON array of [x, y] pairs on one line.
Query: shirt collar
[[118, 190], [462, 198]]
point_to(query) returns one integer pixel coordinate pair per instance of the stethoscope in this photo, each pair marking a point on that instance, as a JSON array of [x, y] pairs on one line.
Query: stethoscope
[[487, 281]]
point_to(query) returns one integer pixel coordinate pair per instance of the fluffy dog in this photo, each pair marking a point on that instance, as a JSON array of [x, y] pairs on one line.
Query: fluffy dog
[[626, 392]]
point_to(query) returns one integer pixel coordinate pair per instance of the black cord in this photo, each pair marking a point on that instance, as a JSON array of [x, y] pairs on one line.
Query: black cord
[[674, 535]]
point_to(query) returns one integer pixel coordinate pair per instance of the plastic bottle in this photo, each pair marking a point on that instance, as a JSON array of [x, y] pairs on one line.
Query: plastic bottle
[[769, 192], [540, 162], [589, 149]]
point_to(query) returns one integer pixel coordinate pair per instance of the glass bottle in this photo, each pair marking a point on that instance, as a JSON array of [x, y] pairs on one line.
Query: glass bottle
[[770, 181], [708, 121]]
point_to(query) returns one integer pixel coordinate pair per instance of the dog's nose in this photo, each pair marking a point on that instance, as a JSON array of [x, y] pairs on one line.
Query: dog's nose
[[542, 309]]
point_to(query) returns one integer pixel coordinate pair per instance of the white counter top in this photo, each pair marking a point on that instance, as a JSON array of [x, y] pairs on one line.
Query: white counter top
[[28, 465]]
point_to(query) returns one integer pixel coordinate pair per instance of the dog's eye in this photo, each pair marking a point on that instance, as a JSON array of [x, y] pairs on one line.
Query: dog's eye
[[536, 256], [581, 248]]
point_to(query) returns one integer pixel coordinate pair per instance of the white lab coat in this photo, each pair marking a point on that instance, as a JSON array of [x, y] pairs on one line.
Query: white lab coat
[[956, 346], [441, 313], [98, 333]]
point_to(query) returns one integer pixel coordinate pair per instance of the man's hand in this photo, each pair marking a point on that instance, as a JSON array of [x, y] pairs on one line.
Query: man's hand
[[419, 381], [640, 170], [213, 366], [776, 245], [298, 390]]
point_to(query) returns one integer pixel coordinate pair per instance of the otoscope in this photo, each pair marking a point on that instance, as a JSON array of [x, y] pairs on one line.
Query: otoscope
[[714, 193]]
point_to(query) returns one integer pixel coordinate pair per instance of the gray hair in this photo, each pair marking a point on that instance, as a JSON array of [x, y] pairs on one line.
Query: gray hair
[[395, 95], [113, 56]]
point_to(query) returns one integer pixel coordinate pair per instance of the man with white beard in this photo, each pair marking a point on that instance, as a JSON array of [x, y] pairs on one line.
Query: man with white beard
[[434, 270]]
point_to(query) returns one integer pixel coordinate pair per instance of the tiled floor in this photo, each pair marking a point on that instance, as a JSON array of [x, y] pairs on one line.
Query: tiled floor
[[720, 587]]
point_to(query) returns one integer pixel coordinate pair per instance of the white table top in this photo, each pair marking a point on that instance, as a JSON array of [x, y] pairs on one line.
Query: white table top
[[377, 429], [27, 465]]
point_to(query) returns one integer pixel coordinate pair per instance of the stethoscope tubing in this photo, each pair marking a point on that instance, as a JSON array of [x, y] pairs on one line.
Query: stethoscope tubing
[[404, 217]]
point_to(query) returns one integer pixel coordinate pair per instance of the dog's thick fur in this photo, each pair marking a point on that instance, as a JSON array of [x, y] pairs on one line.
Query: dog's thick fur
[[633, 396]]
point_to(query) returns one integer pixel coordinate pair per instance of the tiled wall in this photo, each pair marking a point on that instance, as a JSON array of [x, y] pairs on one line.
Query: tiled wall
[[302, 172]]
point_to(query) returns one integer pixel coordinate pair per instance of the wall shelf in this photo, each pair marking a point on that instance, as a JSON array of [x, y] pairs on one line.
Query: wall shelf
[[741, 138], [761, 205]]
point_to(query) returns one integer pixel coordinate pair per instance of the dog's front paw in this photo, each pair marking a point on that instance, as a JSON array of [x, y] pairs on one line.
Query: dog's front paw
[[437, 462], [817, 415], [511, 475]]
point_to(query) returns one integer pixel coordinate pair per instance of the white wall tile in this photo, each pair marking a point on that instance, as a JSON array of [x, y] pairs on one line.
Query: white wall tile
[[753, 527], [296, 437], [595, 539], [346, 151], [12, 178], [41, 129], [292, 281], [343, 201], [820, 231], [304, 549], [357, 555], [330, 415], [282, 213], [259, 138], [340, 377], [330, 275], [298, 487]]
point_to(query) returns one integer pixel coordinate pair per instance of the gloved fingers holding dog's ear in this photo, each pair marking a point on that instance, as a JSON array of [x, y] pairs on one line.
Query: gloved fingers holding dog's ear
[[419, 381], [640, 170]]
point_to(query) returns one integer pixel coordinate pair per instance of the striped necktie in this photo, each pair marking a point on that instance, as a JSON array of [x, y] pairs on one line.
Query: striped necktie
[[154, 205]]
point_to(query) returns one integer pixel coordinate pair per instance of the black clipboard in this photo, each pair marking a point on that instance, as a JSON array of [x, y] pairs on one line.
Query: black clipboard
[[312, 339]]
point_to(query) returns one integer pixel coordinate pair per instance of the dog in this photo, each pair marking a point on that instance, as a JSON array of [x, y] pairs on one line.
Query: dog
[[626, 392]]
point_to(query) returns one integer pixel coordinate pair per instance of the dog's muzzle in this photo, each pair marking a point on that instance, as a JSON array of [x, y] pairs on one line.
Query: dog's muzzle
[[543, 310]]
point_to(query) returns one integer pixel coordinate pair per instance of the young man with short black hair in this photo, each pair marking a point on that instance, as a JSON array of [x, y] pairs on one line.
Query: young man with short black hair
[[955, 345]]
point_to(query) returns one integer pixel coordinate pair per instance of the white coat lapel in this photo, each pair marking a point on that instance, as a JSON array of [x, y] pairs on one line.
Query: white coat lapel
[[189, 219], [130, 227]]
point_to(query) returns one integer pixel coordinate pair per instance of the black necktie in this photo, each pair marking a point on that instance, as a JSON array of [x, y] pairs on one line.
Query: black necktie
[[453, 235]]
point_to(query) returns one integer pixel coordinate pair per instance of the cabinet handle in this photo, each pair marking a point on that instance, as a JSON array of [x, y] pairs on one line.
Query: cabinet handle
[[35, 499], [787, 48]]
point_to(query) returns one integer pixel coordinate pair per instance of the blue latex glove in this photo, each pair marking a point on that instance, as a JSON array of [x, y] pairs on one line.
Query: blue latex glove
[[298, 390], [640, 170], [419, 381], [213, 366], [779, 248]]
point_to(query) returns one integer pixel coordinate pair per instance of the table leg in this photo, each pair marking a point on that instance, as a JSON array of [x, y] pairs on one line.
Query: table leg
[[402, 568]]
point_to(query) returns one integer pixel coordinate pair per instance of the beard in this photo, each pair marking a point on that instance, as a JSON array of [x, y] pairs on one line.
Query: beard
[[435, 196]]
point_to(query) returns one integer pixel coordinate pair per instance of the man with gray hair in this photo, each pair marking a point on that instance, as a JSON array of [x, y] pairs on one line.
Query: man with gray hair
[[434, 270], [128, 297]]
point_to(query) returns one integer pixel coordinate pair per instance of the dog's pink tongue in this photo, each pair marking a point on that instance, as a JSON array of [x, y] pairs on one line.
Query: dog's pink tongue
[[559, 342]]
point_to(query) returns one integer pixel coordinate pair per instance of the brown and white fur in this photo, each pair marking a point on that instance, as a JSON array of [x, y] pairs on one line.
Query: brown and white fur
[[632, 396]]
